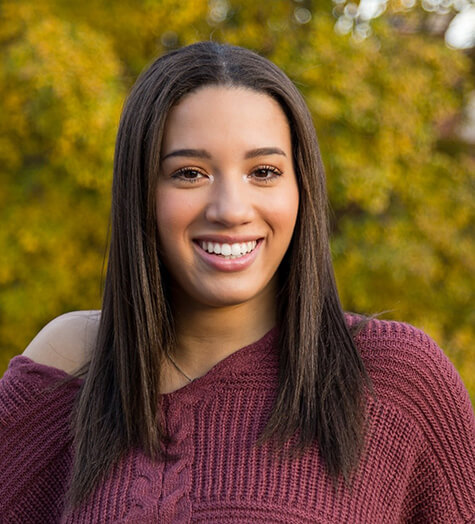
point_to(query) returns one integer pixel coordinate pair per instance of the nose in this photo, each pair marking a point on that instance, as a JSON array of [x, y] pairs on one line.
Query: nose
[[230, 202]]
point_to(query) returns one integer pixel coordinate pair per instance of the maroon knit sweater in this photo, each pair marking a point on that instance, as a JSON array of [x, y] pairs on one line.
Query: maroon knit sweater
[[418, 464]]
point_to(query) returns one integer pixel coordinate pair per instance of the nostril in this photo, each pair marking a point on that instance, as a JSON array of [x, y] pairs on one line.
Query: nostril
[[229, 213]]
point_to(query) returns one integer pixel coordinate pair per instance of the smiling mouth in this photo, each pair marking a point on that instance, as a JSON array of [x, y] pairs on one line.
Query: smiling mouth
[[228, 251]]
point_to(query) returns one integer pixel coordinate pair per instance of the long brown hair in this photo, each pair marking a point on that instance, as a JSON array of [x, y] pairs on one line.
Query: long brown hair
[[322, 378]]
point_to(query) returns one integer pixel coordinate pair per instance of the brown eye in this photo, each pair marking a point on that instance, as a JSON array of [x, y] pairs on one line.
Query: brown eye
[[188, 174], [266, 173]]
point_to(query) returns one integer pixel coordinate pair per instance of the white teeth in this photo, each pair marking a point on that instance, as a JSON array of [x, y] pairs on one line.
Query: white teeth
[[228, 250]]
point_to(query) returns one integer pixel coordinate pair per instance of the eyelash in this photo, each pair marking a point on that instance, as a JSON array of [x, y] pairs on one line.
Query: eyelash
[[275, 173], [179, 175]]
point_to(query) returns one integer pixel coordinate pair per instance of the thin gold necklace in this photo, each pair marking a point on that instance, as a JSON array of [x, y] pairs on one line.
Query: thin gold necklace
[[178, 368]]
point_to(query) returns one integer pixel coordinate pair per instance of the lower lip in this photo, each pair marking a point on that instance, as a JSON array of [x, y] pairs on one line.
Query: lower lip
[[228, 264]]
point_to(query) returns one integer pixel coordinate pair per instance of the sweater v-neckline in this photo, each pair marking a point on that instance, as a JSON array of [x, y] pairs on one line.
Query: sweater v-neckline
[[256, 361], [240, 365]]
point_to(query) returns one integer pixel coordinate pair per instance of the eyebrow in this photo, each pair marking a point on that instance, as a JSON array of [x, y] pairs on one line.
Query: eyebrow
[[201, 153], [195, 153], [264, 151]]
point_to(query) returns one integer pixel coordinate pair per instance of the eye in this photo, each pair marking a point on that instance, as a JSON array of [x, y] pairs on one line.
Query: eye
[[266, 174], [188, 175]]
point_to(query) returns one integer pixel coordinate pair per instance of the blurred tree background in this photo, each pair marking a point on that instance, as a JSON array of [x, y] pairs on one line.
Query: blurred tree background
[[389, 100]]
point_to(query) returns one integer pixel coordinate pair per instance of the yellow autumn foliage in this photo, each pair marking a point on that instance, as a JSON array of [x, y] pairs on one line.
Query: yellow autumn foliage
[[400, 191]]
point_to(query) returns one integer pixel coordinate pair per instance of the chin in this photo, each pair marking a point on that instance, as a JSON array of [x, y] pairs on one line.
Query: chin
[[229, 300], [226, 297]]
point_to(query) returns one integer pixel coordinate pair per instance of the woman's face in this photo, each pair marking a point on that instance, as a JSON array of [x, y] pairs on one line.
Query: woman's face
[[227, 196]]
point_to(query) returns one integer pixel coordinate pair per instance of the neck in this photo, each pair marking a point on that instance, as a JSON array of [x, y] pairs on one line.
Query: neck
[[207, 335]]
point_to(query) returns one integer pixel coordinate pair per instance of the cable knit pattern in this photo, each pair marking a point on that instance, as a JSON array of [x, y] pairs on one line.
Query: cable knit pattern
[[175, 502], [417, 466]]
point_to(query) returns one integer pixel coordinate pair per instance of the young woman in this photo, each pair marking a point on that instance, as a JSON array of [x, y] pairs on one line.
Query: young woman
[[221, 381]]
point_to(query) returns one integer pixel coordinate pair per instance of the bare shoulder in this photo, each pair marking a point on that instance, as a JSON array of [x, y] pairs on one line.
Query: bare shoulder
[[67, 341]]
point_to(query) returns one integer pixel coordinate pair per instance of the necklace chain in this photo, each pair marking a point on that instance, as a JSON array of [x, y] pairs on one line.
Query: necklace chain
[[178, 368]]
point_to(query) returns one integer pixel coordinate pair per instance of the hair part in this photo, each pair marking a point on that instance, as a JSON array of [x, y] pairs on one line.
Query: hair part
[[322, 378]]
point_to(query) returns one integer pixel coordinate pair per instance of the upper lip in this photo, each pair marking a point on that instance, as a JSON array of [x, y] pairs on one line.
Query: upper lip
[[227, 239]]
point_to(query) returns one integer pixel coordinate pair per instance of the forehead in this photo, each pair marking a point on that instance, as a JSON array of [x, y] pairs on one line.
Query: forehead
[[216, 114]]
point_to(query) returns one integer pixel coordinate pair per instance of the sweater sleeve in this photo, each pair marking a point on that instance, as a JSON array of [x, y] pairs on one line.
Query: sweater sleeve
[[35, 441], [413, 374]]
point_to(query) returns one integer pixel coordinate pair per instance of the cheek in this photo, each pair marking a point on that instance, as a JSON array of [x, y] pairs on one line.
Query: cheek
[[283, 213], [174, 212], [169, 223], [166, 215]]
